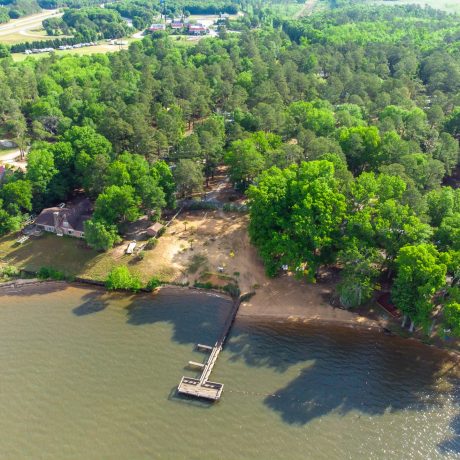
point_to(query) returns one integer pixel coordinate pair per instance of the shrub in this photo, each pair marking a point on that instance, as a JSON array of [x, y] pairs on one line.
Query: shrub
[[207, 285], [153, 284], [141, 255], [232, 290], [151, 243], [121, 278], [49, 273], [9, 271]]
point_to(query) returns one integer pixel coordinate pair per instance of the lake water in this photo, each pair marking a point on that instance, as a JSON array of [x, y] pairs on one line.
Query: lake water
[[89, 375]]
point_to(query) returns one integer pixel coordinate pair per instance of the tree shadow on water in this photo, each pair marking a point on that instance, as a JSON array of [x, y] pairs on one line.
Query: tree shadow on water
[[196, 317], [93, 302], [340, 370], [451, 445]]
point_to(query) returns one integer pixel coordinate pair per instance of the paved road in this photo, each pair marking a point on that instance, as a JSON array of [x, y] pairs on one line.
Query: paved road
[[29, 22]]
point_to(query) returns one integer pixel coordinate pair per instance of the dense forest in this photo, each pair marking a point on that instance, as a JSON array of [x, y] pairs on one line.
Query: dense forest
[[342, 129]]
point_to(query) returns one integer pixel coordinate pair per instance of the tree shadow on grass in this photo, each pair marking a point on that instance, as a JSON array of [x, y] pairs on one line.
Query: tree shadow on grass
[[340, 369]]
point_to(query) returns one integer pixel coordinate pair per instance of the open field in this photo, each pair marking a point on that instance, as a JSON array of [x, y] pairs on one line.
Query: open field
[[102, 48], [452, 6], [28, 28]]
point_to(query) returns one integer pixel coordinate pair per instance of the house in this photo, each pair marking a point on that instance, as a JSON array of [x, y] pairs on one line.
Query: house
[[67, 220], [155, 229], [197, 29], [157, 27]]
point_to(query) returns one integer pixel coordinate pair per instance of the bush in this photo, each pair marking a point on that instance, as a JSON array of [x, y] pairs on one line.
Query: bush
[[121, 278], [151, 243], [49, 273], [232, 290], [153, 284], [207, 285], [9, 271]]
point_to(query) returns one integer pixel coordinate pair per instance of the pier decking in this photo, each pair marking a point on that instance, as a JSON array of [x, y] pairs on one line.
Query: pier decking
[[202, 387]]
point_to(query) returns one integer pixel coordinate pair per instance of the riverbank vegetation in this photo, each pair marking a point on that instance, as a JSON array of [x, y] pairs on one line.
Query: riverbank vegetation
[[341, 127]]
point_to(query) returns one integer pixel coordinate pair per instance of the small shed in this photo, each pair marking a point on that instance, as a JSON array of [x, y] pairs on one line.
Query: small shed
[[155, 229]]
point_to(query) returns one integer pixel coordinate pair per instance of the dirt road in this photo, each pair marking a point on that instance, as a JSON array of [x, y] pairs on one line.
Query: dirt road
[[306, 10]]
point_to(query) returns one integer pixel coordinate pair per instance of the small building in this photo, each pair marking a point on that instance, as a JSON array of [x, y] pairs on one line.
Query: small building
[[157, 27], [177, 25], [197, 29], [67, 220], [155, 229]]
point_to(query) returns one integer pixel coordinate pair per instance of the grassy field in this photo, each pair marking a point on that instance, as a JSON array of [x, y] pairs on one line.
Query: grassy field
[[102, 48], [73, 257], [452, 6]]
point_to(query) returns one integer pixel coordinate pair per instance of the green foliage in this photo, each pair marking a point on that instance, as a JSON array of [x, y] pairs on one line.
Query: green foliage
[[154, 283], [452, 311], [99, 235], [359, 274], [117, 205], [49, 273], [189, 178], [121, 278], [420, 274], [9, 271], [295, 216]]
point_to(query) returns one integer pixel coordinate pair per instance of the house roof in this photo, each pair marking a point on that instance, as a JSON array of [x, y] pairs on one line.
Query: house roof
[[155, 228], [75, 215]]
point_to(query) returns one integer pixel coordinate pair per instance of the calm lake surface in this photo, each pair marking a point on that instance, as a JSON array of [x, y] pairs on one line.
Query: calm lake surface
[[89, 375]]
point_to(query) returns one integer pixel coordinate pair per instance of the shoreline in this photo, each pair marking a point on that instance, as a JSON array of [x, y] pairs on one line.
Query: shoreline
[[354, 321]]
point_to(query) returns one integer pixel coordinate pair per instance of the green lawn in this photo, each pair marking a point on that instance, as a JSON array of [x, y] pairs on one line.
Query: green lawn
[[73, 257]]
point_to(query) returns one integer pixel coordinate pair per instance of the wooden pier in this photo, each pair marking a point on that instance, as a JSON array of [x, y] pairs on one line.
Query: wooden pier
[[202, 387]]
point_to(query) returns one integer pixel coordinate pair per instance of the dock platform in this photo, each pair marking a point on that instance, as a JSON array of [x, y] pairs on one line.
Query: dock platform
[[202, 387]]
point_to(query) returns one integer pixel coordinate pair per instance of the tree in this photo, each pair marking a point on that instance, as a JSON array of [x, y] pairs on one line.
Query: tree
[[419, 275], [40, 172], [245, 162], [189, 178], [100, 236], [296, 216], [165, 179], [361, 146], [447, 152], [17, 196], [121, 278], [117, 205], [452, 311], [360, 271], [448, 234]]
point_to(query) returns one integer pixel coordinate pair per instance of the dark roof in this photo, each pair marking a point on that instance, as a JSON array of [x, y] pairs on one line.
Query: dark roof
[[46, 216], [75, 214], [155, 228]]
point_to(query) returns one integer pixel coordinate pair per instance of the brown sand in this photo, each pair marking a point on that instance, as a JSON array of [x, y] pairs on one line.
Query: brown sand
[[222, 239]]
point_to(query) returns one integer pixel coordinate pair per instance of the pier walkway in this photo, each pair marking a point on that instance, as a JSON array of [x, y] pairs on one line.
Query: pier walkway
[[202, 387]]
